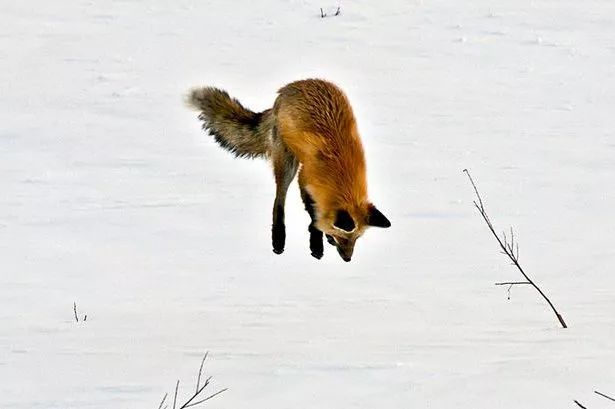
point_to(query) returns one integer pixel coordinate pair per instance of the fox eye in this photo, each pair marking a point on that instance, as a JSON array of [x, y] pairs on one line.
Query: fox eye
[[344, 221]]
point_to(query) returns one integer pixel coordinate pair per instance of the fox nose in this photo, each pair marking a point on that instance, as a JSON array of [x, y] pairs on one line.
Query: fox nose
[[345, 252]]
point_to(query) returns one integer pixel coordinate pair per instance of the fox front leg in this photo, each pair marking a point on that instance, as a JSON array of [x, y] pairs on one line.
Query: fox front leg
[[316, 246]]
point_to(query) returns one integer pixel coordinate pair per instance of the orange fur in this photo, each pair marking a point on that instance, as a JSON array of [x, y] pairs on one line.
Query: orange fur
[[311, 127], [316, 122]]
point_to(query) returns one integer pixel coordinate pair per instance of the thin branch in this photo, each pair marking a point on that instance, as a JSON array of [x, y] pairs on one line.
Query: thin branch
[[198, 380], [175, 398], [337, 12], [206, 399], [514, 283], [162, 401], [85, 317], [198, 393], [508, 249], [581, 406], [604, 396]]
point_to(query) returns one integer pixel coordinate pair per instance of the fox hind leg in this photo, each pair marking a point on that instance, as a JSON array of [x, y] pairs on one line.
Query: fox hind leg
[[316, 246], [285, 167]]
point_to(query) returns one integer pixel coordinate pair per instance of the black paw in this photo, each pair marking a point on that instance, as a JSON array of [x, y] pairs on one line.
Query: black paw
[[278, 238], [331, 240], [316, 254], [316, 242]]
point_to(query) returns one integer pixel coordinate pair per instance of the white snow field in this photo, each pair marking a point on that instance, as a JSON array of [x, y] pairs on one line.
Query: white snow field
[[112, 197]]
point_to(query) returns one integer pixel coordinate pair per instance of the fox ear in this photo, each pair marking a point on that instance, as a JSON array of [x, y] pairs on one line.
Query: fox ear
[[344, 221], [376, 218]]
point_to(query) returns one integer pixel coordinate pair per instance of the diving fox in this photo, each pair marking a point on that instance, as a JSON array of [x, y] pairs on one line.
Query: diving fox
[[311, 129]]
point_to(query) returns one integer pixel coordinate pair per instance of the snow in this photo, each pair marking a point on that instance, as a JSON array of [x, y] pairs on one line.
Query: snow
[[113, 198]]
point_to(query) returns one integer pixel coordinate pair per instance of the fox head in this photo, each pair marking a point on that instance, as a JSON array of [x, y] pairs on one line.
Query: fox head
[[343, 227]]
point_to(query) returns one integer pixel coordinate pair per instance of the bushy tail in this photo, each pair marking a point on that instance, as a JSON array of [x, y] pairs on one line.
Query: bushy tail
[[235, 128]]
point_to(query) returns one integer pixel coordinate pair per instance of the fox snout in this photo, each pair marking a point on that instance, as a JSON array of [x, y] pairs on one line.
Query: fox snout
[[345, 248], [344, 257], [345, 252]]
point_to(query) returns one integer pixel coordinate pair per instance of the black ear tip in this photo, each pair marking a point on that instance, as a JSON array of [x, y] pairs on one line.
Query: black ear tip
[[377, 219]]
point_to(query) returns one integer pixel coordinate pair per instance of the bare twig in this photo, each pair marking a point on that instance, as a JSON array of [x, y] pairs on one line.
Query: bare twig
[[206, 399], [510, 285], [508, 249], [85, 317], [175, 398], [198, 380], [162, 401], [581, 406], [604, 396], [198, 393], [514, 283], [338, 11]]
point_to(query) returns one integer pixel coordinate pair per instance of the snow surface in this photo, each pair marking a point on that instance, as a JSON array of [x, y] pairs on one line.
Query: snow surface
[[112, 197]]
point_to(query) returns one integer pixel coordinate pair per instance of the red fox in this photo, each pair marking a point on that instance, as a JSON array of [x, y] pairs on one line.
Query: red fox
[[311, 129]]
